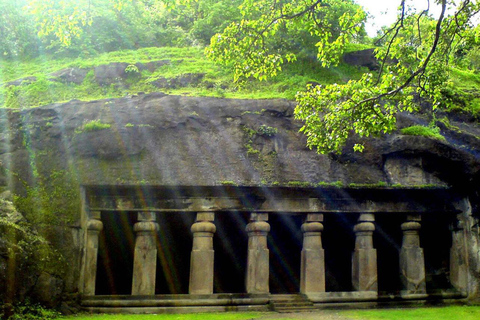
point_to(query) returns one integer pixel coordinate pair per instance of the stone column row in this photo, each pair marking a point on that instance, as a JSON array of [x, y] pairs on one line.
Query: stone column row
[[312, 275]]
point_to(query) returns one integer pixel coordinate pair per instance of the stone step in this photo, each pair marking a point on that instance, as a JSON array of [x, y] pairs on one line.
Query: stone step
[[291, 303]]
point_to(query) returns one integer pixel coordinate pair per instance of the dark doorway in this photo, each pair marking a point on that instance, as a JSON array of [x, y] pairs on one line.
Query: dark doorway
[[387, 239], [285, 245], [174, 246], [115, 254], [230, 244], [338, 242], [436, 240]]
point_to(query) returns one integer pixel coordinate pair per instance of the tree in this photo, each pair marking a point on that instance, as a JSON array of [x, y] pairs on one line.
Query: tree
[[414, 62], [86, 26], [17, 32], [272, 32]]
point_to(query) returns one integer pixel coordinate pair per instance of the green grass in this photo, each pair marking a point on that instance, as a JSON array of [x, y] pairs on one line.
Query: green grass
[[194, 316], [444, 313], [93, 125], [423, 131], [465, 92], [432, 313], [218, 81]]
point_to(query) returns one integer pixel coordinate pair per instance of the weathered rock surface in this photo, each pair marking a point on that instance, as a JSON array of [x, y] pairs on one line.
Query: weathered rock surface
[[20, 81], [180, 81], [173, 140], [362, 58], [69, 75], [115, 72], [105, 74]]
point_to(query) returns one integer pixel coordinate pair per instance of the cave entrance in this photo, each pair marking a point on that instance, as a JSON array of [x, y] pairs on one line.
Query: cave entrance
[[174, 244], [115, 253], [285, 245], [436, 240], [230, 245], [387, 239], [338, 242]]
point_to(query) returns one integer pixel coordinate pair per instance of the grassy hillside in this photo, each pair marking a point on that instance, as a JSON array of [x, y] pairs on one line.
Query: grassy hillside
[[38, 87], [216, 81]]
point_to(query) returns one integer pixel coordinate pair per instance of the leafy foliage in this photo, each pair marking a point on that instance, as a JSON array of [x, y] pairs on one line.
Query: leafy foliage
[[17, 32], [414, 62], [272, 33], [84, 27], [31, 311]]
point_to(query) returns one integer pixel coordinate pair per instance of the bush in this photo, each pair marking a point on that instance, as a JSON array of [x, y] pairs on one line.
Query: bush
[[93, 125], [430, 132], [30, 311]]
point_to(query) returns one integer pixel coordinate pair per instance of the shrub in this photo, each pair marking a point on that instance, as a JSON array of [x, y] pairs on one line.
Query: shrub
[[430, 132], [93, 125]]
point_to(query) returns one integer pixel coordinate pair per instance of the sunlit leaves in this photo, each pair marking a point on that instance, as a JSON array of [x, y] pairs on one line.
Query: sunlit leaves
[[67, 19], [414, 62], [264, 39]]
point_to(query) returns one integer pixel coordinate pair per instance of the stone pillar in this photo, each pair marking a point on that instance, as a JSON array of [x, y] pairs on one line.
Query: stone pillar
[[412, 262], [258, 254], [312, 274], [364, 259], [94, 226], [458, 257], [145, 255], [202, 258]]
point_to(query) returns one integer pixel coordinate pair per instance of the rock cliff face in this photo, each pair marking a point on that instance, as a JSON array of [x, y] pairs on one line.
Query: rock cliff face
[[171, 140], [48, 153]]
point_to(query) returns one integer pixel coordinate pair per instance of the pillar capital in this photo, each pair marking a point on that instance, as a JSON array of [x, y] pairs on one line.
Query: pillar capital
[[312, 227], [145, 226], [260, 227], [94, 225], [255, 216], [363, 227], [205, 216], [147, 216], [95, 214], [411, 226], [203, 227]]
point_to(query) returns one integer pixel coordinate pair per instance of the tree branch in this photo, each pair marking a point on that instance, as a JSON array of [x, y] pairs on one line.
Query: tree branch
[[423, 67]]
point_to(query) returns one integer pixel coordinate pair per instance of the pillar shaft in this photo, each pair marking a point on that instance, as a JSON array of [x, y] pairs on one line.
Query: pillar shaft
[[202, 257], [145, 255], [364, 258], [258, 255], [412, 262], [94, 226], [458, 258], [312, 270]]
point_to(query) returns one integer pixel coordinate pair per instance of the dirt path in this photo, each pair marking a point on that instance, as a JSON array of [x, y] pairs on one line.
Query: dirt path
[[316, 315]]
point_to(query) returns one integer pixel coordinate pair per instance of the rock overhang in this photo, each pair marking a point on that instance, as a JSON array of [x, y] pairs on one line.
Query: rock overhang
[[157, 139]]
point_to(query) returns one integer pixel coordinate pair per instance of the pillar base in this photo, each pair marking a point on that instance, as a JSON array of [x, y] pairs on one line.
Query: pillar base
[[412, 268], [364, 272], [201, 280], [312, 271], [258, 271]]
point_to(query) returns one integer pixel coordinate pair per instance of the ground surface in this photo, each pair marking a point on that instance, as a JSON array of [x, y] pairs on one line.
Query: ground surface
[[317, 315], [426, 313]]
